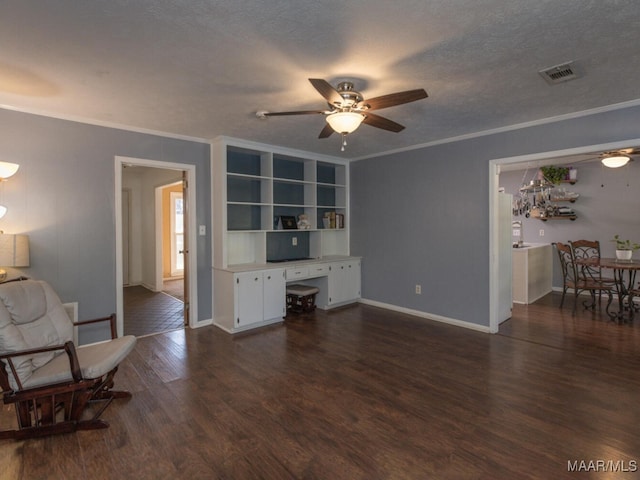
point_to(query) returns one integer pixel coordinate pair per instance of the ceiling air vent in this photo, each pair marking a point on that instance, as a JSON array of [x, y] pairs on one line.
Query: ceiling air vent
[[560, 73]]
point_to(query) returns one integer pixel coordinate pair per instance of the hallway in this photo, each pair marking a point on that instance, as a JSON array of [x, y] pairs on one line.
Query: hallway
[[147, 312]]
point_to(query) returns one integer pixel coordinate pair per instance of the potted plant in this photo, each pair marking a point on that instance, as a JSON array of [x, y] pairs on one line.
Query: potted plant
[[624, 248], [554, 175]]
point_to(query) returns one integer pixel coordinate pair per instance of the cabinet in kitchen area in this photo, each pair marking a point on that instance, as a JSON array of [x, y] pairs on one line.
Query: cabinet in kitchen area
[[532, 272], [258, 299]]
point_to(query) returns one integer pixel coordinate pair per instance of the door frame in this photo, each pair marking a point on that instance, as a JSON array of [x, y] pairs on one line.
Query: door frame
[[192, 258], [494, 174]]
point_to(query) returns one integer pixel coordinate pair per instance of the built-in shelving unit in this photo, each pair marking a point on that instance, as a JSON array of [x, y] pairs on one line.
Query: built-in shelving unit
[[255, 184]]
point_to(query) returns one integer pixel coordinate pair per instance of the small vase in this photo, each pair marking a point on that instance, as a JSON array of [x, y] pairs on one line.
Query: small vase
[[624, 255]]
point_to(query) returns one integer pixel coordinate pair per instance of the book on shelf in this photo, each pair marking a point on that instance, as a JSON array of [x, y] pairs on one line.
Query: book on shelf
[[333, 220]]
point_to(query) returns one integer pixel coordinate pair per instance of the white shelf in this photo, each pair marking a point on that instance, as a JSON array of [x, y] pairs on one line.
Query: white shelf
[[295, 182], [253, 185], [247, 176]]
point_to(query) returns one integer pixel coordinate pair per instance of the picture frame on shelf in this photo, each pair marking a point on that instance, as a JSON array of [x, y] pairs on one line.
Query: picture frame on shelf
[[287, 222]]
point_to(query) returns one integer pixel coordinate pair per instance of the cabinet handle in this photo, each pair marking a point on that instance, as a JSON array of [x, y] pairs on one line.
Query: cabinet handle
[[255, 279], [268, 277]]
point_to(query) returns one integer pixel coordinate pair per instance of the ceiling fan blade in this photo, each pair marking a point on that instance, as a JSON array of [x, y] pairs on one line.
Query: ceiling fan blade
[[385, 101], [326, 131], [383, 123], [326, 90], [630, 151], [300, 112]]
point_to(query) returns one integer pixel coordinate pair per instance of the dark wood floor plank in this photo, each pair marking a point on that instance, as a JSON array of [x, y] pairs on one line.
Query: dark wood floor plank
[[362, 393]]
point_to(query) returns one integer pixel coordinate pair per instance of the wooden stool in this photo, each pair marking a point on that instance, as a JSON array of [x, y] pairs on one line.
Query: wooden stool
[[301, 298]]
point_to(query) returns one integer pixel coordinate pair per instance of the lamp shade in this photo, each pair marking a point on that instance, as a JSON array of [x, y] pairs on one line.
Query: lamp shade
[[8, 169], [345, 122], [14, 250], [615, 161]]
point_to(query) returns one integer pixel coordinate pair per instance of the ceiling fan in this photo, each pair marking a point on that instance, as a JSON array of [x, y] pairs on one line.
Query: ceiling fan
[[348, 108]]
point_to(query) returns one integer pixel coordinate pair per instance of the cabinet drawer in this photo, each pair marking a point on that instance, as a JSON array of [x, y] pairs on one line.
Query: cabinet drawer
[[300, 272], [318, 270]]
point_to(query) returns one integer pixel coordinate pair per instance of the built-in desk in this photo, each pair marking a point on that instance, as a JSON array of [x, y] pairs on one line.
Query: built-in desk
[[532, 272], [253, 295]]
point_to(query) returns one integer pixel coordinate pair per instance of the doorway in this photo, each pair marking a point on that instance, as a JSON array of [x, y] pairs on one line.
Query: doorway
[[495, 166], [148, 230]]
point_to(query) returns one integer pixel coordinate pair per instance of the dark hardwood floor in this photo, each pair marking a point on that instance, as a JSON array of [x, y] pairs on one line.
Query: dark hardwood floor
[[364, 393]]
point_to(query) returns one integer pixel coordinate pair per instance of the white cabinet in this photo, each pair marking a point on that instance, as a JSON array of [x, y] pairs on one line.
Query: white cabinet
[[344, 282], [532, 272], [274, 294], [246, 298], [250, 299]]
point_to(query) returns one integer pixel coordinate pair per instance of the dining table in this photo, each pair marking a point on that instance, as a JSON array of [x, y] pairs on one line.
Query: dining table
[[624, 274]]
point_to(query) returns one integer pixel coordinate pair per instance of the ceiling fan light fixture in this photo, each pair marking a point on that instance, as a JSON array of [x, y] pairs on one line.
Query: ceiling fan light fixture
[[615, 160], [345, 122]]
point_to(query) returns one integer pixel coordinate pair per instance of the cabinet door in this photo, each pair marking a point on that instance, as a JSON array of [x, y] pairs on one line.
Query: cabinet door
[[344, 282], [334, 282], [351, 280], [274, 290], [248, 298]]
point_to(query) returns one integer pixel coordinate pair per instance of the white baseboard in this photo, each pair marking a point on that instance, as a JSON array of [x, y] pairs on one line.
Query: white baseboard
[[203, 323], [428, 316]]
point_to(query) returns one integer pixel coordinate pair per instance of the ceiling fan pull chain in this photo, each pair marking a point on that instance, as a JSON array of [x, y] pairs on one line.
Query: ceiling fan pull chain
[[344, 141]]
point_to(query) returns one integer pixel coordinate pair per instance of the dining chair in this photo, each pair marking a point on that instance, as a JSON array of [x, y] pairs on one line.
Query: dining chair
[[573, 278], [585, 250], [633, 292]]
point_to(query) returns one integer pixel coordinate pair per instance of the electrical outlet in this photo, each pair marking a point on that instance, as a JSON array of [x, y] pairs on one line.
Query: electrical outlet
[[541, 232], [294, 241], [418, 289]]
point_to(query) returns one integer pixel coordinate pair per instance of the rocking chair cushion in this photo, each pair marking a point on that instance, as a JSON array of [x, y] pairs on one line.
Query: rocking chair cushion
[[31, 316], [96, 360]]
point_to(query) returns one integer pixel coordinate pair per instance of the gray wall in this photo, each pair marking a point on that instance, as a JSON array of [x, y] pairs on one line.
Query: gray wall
[[609, 203], [422, 216], [63, 197], [416, 217]]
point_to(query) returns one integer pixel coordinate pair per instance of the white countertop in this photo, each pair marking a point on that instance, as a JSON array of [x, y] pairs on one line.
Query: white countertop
[[248, 267], [530, 245]]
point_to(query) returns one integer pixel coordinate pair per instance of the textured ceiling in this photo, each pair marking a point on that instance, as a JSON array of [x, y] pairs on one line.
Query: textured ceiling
[[203, 68]]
